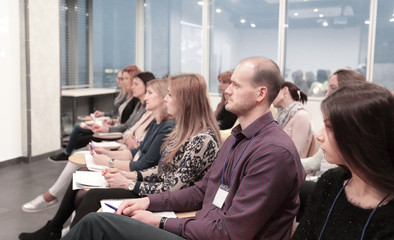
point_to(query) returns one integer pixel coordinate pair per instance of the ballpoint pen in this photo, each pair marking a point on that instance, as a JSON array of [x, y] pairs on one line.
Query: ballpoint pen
[[91, 148], [110, 206]]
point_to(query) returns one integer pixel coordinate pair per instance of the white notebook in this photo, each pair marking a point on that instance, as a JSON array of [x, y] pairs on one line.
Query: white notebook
[[117, 202], [91, 165], [87, 179]]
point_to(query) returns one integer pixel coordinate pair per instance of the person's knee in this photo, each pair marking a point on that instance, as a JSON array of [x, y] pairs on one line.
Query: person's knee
[[91, 194], [90, 219]]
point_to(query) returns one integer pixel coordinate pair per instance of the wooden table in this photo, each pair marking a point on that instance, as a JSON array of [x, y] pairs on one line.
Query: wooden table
[[78, 158]]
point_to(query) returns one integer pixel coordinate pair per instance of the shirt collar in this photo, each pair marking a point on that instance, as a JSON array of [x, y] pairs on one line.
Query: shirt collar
[[254, 127]]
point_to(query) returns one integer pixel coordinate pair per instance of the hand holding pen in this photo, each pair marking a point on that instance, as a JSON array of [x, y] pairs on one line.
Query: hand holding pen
[[92, 149], [112, 207]]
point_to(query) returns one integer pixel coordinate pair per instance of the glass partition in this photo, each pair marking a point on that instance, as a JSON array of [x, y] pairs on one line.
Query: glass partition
[[241, 29], [383, 69], [173, 36], [113, 33], [323, 36]]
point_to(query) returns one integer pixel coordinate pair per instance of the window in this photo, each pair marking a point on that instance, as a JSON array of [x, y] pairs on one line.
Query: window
[[97, 35], [113, 31], [241, 29], [74, 41], [323, 36], [383, 69], [173, 36]]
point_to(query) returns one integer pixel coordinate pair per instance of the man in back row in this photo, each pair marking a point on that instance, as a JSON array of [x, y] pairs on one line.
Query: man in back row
[[250, 192]]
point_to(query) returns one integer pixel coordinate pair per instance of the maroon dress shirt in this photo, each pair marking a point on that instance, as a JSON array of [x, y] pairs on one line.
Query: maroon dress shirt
[[263, 193]]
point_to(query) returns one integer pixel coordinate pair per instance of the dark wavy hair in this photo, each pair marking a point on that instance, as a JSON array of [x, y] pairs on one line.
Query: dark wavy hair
[[362, 116]]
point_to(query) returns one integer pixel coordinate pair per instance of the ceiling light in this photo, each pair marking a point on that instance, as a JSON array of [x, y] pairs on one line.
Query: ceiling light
[[218, 10], [325, 24], [295, 14], [242, 20], [391, 20], [315, 10], [200, 3], [366, 22], [321, 15], [253, 25]]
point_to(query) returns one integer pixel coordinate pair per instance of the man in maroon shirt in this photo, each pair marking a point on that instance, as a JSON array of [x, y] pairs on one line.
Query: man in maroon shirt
[[250, 192]]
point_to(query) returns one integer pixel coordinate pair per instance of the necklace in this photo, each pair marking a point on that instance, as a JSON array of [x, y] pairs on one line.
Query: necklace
[[333, 204]]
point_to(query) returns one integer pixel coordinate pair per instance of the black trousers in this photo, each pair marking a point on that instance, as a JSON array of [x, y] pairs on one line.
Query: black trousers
[[112, 226], [91, 200]]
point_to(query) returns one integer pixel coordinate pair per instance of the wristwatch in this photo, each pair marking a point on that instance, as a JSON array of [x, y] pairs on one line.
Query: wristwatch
[[111, 163], [131, 186], [162, 221]]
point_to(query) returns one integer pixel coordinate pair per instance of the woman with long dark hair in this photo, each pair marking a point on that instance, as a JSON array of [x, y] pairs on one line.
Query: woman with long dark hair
[[354, 201]]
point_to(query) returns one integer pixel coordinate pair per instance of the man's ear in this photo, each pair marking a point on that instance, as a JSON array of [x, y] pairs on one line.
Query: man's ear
[[263, 94]]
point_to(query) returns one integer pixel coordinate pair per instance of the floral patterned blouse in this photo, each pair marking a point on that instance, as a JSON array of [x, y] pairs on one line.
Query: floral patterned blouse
[[189, 165]]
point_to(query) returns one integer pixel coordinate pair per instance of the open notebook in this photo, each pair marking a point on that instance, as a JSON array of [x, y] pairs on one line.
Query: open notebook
[[116, 203]]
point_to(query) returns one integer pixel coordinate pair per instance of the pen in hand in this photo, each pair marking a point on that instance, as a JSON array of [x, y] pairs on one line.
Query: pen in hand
[[91, 148], [110, 206]]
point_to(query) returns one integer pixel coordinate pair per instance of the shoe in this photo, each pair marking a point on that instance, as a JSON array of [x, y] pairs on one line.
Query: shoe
[[61, 157], [48, 232], [38, 204]]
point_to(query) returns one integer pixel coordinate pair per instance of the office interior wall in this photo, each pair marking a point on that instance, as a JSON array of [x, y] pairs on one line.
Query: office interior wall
[[45, 75], [10, 84]]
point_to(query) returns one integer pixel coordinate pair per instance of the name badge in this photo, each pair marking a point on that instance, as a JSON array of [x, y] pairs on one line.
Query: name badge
[[220, 196]]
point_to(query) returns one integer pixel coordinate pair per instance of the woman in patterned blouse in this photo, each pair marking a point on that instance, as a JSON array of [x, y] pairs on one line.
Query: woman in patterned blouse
[[187, 153]]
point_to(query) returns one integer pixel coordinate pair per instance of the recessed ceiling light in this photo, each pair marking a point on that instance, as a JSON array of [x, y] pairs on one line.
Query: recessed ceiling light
[[200, 3], [253, 25], [366, 22], [242, 20], [391, 20], [218, 10], [315, 10], [295, 14], [325, 24], [321, 15]]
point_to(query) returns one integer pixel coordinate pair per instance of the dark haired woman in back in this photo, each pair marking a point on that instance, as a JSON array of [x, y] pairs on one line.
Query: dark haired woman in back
[[354, 201], [294, 119]]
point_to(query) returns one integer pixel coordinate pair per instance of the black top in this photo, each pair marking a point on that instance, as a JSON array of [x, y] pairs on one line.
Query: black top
[[347, 220], [128, 110], [226, 119], [115, 110]]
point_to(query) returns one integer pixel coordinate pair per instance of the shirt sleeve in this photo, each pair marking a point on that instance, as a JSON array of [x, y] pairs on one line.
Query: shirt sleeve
[[268, 182], [189, 167]]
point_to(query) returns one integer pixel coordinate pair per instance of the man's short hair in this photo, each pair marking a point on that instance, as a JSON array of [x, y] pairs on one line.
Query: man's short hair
[[267, 74]]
